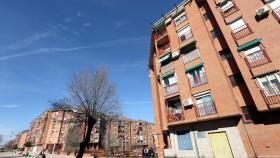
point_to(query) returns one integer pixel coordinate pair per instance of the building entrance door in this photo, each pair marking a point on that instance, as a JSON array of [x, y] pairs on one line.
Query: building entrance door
[[220, 145]]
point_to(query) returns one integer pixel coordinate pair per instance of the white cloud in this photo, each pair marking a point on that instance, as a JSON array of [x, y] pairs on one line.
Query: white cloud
[[63, 27], [106, 44], [87, 24], [67, 19], [10, 106], [79, 14]]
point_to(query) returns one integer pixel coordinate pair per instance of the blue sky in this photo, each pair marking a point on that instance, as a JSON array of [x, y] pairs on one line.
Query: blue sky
[[42, 43]]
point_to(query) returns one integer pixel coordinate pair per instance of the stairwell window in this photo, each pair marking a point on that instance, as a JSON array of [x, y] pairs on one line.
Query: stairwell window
[[216, 33], [184, 140], [180, 18], [270, 83], [185, 33]]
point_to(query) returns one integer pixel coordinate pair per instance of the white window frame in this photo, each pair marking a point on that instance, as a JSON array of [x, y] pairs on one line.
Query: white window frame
[[237, 24], [269, 81], [274, 4], [227, 6], [184, 32], [168, 77], [180, 18]]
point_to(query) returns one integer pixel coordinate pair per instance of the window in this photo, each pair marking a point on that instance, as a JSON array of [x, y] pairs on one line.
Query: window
[[247, 114], [204, 104], [227, 6], [197, 76], [225, 54], [235, 26], [190, 56], [236, 80], [207, 16], [270, 84], [169, 80], [254, 54], [180, 18], [185, 33], [184, 140], [216, 33]]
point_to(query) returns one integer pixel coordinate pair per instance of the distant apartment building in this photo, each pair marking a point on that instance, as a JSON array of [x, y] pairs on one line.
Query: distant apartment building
[[129, 137], [214, 70], [21, 139]]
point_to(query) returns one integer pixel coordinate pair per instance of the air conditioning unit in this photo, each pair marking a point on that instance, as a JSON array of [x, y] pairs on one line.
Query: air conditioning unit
[[175, 54], [262, 11], [188, 102]]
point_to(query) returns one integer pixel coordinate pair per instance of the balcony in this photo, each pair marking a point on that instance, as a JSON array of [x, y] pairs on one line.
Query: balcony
[[271, 94], [170, 89], [164, 49], [198, 80], [167, 68], [241, 32], [257, 59], [186, 36], [190, 56], [206, 108], [174, 115], [276, 13], [229, 9], [161, 37]]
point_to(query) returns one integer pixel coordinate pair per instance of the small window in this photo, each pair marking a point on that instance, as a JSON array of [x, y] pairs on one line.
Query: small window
[[247, 114], [207, 16], [185, 33], [216, 33], [180, 18], [236, 80], [184, 140], [225, 54]]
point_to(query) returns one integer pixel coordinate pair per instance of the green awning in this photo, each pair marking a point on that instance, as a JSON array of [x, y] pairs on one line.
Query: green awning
[[167, 74], [163, 58], [195, 66], [246, 45]]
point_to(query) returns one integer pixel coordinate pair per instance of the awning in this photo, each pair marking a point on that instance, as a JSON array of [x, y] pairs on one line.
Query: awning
[[195, 66], [164, 58], [167, 74], [246, 45]]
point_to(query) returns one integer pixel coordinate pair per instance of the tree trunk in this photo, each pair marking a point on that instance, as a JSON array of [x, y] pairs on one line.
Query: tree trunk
[[90, 123]]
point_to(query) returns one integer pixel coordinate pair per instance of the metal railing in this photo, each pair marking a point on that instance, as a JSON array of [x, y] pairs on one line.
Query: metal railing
[[164, 49], [174, 115], [198, 80], [186, 36], [271, 94], [227, 11], [241, 32], [276, 13], [171, 89], [257, 58], [190, 56], [206, 108], [166, 68], [160, 34]]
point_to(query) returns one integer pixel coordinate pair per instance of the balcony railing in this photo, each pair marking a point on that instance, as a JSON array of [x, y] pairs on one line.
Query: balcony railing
[[186, 36], [230, 9], [206, 108], [190, 56], [198, 80], [164, 49], [160, 34], [271, 94], [257, 58], [241, 32], [276, 13], [166, 68], [174, 115], [170, 89]]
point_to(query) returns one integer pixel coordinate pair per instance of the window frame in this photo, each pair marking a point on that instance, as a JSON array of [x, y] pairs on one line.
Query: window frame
[[188, 144], [178, 19]]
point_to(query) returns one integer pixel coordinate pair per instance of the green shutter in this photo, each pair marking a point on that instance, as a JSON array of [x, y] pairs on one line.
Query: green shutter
[[161, 59], [246, 45], [195, 66], [167, 74]]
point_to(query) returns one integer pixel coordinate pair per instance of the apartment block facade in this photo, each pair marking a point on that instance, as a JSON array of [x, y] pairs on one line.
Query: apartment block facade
[[21, 139], [214, 71]]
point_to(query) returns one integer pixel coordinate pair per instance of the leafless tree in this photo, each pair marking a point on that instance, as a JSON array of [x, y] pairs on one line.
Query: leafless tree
[[93, 96], [73, 139], [1, 138]]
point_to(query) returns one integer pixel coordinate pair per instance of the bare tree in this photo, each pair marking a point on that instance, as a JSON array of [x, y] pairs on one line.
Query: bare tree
[[93, 96], [1, 138], [73, 140]]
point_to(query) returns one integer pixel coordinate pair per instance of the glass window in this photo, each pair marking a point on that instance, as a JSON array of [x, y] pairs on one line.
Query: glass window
[[185, 33], [216, 33], [180, 18], [225, 54], [227, 6], [236, 80], [208, 16], [184, 140], [235, 26], [270, 84], [169, 80]]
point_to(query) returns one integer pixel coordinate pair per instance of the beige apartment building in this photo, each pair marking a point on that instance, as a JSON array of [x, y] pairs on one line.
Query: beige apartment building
[[21, 139], [214, 70]]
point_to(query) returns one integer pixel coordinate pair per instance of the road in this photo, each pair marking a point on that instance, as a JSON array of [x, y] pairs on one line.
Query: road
[[15, 155]]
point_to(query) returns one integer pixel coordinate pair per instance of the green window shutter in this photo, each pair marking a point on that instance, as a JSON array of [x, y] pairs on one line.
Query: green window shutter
[[163, 58], [167, 74], [246, 45], [193, 67]]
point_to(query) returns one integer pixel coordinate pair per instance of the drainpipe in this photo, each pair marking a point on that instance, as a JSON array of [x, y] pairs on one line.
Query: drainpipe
[[247, 134]]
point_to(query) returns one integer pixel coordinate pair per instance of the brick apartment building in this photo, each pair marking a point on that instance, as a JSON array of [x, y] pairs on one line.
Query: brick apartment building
[[128, 136], [21, 139], [214, 70]]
